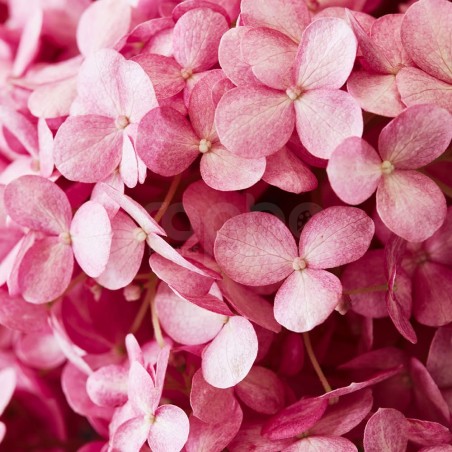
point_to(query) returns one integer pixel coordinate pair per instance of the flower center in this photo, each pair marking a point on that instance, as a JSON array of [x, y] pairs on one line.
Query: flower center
[[387, 167], [204, 146], [122, 122], [186, 73], [140, 235], [150, 418], [35, 166], [65, 238], [299, 264], [294, 93]]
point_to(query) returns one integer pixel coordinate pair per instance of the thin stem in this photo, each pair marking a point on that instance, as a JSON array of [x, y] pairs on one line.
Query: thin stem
[[140, 315], [168, 197], [315, 363], [155, 320], [377, 288]]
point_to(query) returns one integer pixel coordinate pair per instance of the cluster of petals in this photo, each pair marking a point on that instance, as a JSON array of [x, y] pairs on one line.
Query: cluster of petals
[[192, 257]]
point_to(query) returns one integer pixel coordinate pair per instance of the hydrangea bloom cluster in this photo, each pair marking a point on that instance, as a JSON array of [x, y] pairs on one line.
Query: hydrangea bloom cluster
[[225, 225]]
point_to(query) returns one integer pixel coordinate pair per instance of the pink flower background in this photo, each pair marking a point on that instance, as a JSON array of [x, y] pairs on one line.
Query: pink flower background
[[225, 225]]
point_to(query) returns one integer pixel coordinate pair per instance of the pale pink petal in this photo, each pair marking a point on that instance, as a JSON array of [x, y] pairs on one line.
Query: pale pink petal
[[213, 437], [231, 60], [306, 299], [324, 118], [224, 171], [271, 56], [135, 210], [131, 435], [427, 433], [128, 168], [426, 37], [210, 404], [37, 203], [45, 270], [107, 386], [249, 304], [416, 137], [164, 72], [336, 236], [354, 170], [417, 87], [322, 443], [411, 205], [8, 384], [239, 341], [169, 431], [320, 70], [141, 390], [188, 5], [287, 172], [196, 38], [208, 210], [262, 391], [185, 322], [87, 148], [166, 142], [45, 138], [91, 238], [376, 93], [255, 249], [295, 419], [289, 17], [112, 20], [109, 85], [255, 121]]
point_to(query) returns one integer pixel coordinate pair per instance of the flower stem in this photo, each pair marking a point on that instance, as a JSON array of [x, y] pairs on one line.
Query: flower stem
[[168, 198], [377, 288], [315, 363]]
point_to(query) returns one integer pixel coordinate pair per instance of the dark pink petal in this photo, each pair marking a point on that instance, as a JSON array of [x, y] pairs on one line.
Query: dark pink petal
[[427, 433], [426, 37], [107, 386], [403, 198], [416, 137], [427, 395], [245, 116], [186, 322], [249, 304], [440, 353], [289, 17], [45, 270], [344, 415], [37, 203], [169, 431], [111, 86], [8, 384], [295, 419], [439, 246], [306, 299], [354, 170], [417, 87], [322, 443], [386, 429], [166, 141], [131, 435], [112, 19], [196, 38], [255, 248], [208, 210], [210, 404], [188, 5], [271, 56], [336, 236], [432, 284], [231, 61], [45, 138], [286, 171], [239, 339], [376, 93], [225, 171], [164, 72], [320, 70], [91, 238], [324, 118], [261, 390], [19, 315], [87, 148], [213, 437]]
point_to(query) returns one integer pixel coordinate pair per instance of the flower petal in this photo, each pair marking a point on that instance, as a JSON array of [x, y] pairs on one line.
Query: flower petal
[[320, 443], [411, 205], [255, 249], [131, 435]]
